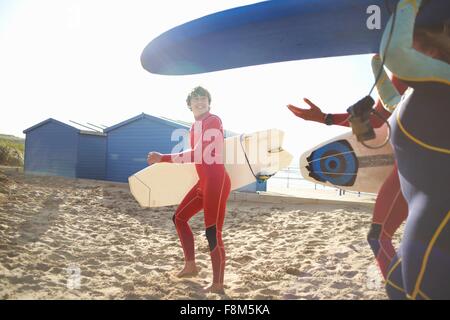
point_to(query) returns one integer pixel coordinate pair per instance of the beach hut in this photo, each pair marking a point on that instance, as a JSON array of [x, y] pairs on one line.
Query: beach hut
[[129, 142], [56, 148]]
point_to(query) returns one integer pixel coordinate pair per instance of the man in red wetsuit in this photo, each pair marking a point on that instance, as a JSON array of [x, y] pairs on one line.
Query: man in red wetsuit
[[211, 191], [390, 207]]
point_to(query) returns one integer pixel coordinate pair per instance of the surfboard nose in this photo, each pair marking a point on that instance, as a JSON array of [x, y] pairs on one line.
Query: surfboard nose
[[274, 31]]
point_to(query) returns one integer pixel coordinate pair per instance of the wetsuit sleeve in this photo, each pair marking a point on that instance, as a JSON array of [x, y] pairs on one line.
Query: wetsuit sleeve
[[390, 91], [341, 119], [401, 58], [388, 94], [181, 157], [172, 157]]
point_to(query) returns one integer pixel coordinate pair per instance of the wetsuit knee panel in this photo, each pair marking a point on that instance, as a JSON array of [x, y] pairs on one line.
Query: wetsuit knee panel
[[373, 237], [374, 232], [211, 235]]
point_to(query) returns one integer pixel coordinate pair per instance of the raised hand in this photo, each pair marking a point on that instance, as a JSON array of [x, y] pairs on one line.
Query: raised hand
[[153, 157], [312, 114]]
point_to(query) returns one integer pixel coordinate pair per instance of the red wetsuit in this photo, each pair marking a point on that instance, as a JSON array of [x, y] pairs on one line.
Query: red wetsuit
[[210, 193], [391, 208]]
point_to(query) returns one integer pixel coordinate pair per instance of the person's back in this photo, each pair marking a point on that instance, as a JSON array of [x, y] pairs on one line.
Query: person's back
[[421, 146]]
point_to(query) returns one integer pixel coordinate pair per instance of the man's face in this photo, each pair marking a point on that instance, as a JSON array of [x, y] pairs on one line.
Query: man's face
[[199, 105]]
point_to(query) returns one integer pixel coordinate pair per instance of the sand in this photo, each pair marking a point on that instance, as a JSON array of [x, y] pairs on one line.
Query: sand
[[81, 239]]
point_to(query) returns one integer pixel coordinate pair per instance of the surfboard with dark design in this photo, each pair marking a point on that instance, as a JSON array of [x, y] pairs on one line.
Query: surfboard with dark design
[[345, 163]]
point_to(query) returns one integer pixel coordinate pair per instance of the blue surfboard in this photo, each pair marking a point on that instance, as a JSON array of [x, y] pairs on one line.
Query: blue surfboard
[[272, 31]]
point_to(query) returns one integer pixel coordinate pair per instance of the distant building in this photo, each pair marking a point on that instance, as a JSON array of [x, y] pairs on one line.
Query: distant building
[[56, 148], [129, 142]]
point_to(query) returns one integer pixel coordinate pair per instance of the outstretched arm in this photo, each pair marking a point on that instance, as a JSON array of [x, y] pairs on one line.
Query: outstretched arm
[[341, 119], [389, 90], [180, 157]]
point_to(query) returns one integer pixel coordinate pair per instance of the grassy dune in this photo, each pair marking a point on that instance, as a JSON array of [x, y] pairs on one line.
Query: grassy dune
[[11, 150]]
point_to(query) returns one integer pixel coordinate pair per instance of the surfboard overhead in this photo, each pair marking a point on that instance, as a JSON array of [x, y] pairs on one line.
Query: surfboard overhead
[[273, 31]]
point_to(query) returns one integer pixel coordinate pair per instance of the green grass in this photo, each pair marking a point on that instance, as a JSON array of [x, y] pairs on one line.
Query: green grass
[[10, 137], [11, 150], [13, 142]]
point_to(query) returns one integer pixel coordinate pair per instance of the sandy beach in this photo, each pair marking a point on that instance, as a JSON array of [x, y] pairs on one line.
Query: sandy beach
[[82, 239]]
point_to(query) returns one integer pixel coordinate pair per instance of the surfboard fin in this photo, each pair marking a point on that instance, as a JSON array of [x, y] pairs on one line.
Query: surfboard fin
[[263, 177]]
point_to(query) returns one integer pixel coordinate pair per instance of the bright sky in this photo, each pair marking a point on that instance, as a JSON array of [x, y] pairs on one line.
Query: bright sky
[[79, 60]]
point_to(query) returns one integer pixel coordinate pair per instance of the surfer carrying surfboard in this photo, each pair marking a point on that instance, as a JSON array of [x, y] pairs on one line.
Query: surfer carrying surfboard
[[390, 207], [211, 191], [420, 57]]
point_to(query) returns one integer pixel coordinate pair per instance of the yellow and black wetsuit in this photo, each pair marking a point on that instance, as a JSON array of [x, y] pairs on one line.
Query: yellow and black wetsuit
[[421, 141]]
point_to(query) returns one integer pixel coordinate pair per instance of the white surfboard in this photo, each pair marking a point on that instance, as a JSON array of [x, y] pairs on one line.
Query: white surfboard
[[345, 163], [165, 184]]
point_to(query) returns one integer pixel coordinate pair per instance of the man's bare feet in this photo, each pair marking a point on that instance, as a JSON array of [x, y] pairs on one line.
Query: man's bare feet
[[189, 270], [215, 288]]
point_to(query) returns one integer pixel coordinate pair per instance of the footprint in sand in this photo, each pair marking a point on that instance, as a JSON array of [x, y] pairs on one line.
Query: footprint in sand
[[241, 290], [201, 264], [129, 286], [243, 259], [114, 264], [273, 234], [296, 272], [88, 274], [119, 277], [202, 257], [27, 279], [203, 274], [42, 267], [331, 267], [36, 225], [349, 274], [250, 247], [318, 232], [339, 285], [314, 243], [291, 226], [269, 292], [341, 255]]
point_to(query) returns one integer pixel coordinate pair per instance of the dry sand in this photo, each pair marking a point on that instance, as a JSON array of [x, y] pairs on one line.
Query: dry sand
[[80, 239]]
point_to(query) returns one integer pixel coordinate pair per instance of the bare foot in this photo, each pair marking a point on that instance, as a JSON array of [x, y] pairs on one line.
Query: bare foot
[[189, 270], [215, 288]]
